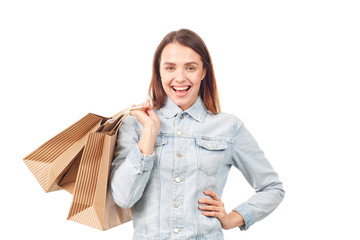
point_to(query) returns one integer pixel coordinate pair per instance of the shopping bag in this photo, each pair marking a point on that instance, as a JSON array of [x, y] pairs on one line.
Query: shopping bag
[[52, 160], [92, 202], [67, 182]]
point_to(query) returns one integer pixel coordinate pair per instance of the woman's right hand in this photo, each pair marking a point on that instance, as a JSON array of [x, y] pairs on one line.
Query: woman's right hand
[[151, 126]]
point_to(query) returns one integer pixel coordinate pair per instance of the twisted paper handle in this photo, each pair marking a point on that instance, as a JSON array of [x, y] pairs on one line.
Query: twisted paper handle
[[124, 114]]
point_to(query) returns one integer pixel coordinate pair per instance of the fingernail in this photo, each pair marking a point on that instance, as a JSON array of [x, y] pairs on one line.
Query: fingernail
[[200, 207], [201, 201]]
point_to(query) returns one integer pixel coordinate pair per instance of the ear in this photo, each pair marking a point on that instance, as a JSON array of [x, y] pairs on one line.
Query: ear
[[203, 74]]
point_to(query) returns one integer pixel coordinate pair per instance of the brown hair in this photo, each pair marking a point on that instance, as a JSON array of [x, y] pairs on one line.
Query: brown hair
[[208, 89]]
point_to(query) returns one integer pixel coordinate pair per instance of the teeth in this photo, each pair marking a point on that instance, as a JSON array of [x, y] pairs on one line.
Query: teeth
[[181, 88]]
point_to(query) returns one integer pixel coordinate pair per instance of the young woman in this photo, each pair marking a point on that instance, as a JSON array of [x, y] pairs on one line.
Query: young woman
[[172, 160]]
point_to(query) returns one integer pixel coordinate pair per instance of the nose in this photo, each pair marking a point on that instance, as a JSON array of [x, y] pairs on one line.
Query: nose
[[180, 75]]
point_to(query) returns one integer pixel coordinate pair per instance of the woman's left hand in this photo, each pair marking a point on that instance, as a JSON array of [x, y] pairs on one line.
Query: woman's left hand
[[215, 208]]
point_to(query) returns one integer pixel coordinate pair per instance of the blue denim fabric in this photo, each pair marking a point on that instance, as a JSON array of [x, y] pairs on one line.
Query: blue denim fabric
[[193, 152]]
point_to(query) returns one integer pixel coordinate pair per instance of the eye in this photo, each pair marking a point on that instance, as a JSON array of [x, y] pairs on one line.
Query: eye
[[169, 68], [191, 68]]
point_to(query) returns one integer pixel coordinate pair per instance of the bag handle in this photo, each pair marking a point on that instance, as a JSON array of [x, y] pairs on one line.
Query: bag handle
[[127, 110], [124, 114]]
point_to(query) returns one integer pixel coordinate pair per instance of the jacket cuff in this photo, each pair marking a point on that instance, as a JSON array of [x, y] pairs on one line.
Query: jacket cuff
[[144, 162], [248, 214]]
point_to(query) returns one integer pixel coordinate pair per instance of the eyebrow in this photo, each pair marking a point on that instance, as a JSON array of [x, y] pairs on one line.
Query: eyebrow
[[188, 63]]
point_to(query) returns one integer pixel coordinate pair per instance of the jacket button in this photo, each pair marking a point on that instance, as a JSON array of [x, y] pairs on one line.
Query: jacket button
[[179, 132], [177, 179], [179, 155], [176, 230]]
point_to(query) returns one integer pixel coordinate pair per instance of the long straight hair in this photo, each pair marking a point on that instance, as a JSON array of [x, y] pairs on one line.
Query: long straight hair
[[208, 89]]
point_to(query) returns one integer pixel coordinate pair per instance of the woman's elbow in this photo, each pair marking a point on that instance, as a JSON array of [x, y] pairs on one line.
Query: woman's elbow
[[275, 189], [120, 199]]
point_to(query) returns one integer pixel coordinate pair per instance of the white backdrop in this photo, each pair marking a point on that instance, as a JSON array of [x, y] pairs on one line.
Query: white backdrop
[[288, 69]]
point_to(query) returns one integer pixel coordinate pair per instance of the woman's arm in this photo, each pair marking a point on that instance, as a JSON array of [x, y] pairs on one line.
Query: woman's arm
[[134, 158], [251, 161]]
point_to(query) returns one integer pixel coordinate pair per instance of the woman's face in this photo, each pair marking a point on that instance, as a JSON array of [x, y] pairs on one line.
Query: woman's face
[[181, 71]]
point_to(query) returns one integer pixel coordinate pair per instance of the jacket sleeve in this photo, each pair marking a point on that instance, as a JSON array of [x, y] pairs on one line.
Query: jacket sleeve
[[130, 169], [251, 161]]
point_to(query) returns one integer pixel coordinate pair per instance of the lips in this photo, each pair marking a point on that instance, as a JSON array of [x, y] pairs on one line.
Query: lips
[[178, 89], [181, 91]]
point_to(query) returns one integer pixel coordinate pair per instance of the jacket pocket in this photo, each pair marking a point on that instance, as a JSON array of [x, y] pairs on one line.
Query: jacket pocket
[[210, 155], [159, 144]]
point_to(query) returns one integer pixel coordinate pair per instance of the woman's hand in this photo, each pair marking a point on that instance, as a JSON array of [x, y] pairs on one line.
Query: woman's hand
[[215, 208], [151, 126], [147, 118]]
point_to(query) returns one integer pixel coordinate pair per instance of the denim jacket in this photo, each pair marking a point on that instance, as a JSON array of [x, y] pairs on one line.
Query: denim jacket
[[193, 152]]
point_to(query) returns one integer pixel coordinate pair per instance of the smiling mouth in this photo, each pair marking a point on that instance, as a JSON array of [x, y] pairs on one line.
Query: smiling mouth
[[181, 89]]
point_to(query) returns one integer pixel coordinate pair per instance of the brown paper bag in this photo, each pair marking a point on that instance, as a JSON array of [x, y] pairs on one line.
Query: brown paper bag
[[53, 159], [92, 203]]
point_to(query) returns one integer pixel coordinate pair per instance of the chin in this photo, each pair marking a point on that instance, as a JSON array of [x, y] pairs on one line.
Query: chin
[[183, 104]]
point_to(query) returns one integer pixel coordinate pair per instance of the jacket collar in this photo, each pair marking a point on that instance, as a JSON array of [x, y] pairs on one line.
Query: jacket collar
[[197, 110]]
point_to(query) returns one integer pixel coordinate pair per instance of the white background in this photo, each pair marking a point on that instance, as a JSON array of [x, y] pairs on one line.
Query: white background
[[288, 69]]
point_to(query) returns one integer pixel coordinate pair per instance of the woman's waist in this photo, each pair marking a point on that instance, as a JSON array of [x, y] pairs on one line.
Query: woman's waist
[[214, 235]]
